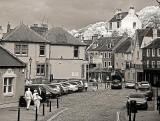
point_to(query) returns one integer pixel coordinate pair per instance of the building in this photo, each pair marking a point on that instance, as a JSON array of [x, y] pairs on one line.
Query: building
[[100, 53], [42, 29], [12, 78], [124, 22], [142, 39], [151, 62], [29, 47], [67, 55]]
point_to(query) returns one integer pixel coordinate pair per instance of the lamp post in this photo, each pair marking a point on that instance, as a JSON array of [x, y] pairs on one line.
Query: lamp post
[[30, 61]]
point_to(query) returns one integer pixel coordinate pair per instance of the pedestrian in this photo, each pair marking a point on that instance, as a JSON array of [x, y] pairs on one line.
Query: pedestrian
[[36, 99], [86, 85], [28, 97]]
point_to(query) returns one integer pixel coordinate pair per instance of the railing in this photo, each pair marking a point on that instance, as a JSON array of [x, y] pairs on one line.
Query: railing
[[142, 66]]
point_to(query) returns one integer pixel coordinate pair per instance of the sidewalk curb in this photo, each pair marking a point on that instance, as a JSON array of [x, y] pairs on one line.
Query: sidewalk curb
[[54, 114]]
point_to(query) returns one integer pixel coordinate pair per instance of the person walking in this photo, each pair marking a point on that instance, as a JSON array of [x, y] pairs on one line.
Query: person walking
[[36, 99], [28, 97], [86, 85]]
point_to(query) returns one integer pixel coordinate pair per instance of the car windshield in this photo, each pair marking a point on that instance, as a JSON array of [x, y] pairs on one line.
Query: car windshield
[[73, 83], [66, 84], [53, 86], [116, 81], [137, 96], [144, 88]]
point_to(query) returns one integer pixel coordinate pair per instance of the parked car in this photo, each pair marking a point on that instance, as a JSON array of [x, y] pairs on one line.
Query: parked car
[[130, 84], [54, 89], [72, 87], [141, 101], [143, 83], [147, 91], [79, 83], [116, 84], [64, 89]]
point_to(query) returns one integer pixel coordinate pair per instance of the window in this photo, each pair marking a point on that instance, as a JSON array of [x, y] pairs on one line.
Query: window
[[158, 52], [109, 63], [153, 52], [40, 69], [148, 52], [134, 25], [42, 50], [105, 55], [109, 55], [118, 24], [8, 85], [21, 49], [147, 63], [105, 64], [76, 51], [158, 64], [110, 25], [153, 64]]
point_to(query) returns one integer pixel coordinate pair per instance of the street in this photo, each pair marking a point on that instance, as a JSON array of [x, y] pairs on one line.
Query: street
[[100, 105]]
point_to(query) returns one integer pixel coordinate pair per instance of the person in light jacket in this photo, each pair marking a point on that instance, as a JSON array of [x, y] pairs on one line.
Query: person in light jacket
[[36, 99], [28, 97]]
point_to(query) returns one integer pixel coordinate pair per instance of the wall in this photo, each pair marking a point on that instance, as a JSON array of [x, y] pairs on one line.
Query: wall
[[10, 101], [33, 52]]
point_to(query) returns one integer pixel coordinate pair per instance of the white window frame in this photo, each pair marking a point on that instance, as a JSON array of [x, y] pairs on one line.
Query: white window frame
[[42, 47], [158, 52], [147, 63], [148, 52], [158, 64], [109, 63], [40, 69], [21, 49], [109, 54], [7, 85], [153, 52], [153, 64], [105, 64]]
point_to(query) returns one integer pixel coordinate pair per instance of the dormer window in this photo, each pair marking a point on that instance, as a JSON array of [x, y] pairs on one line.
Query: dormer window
[[118, 24], [75, 51]]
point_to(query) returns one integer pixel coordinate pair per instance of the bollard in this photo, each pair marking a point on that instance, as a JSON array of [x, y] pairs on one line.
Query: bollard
[[50, 106], [105, 85], [36, 116], [57, 103], [43, 109], [47, 103], [18, 114], [97, 86], [130, 112]]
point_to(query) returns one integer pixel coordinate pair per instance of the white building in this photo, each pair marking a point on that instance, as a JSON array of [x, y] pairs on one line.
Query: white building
[[125, 22]]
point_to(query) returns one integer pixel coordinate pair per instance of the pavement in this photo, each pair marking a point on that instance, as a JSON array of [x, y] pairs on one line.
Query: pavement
[[11, 114]]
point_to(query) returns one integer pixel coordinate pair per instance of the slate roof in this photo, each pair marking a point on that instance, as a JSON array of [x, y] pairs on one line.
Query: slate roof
[[141, 33], [155, 44], [59, 36], [88, 42], [23, 33], [125, 46], [9, 60], [103, 43], [119, 17]]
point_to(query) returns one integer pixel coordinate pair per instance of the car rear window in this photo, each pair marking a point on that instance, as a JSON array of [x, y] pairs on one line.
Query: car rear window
[[137, 96]]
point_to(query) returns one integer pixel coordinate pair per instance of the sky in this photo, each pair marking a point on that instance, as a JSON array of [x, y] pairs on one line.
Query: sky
[[70, 14]]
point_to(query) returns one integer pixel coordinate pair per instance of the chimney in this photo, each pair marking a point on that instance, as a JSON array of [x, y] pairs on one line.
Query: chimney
[[118, 11], [1, 32], [8, 27], [154, 33], [131, 11], [94, 37]]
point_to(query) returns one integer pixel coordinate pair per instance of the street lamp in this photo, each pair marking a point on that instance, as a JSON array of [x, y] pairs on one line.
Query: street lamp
[[30, 61]]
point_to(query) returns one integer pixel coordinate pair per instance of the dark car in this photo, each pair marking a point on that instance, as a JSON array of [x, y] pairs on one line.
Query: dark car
[[147, 91], [116, 84], [141, 101], [42, 91]]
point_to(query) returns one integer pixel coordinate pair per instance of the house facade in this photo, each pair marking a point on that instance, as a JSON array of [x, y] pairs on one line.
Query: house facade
[[67, 55], [124, 22], [29, 47], [12, 78]]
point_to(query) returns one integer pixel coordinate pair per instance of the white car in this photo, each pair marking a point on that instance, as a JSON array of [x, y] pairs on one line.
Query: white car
[[130, 84], [72, 87]]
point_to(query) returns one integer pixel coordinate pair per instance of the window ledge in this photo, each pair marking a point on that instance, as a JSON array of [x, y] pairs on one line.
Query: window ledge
[[42, 56], [8, 94]]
